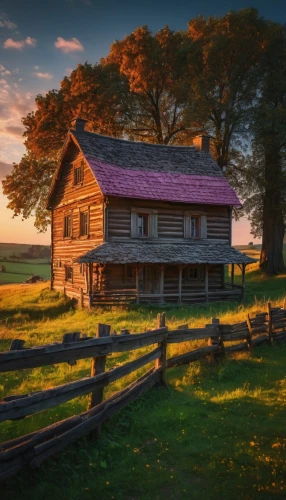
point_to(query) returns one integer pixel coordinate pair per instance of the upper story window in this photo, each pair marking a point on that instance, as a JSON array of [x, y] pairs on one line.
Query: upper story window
[[78, 173], [195, 226], [68, 226], [84, 223], [142, 225]]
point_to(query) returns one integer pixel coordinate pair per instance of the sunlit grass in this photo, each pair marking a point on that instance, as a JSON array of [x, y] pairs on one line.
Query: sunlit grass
[[218, 429]]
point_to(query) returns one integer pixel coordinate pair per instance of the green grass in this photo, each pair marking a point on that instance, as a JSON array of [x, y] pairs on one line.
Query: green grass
[[218, 432], [18, 272]]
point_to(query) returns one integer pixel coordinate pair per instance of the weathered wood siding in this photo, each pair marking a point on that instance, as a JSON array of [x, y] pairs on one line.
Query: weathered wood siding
[[170, 220], [72, 199]]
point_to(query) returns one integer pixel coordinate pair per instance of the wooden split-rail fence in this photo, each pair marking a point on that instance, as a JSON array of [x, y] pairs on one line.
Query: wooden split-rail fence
[[34, 448]]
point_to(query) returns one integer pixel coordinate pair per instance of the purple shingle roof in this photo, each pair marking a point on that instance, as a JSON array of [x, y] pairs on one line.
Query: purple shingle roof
[[141, 170], [167, 186]]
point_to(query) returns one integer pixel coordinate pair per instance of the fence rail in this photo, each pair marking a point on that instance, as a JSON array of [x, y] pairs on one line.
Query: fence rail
[[34, 448]]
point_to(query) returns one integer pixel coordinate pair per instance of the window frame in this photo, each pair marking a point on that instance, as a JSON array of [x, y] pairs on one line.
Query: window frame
[[187, 273], [78, 174], [69, 273], [67, 234], [146, 225], [129, 276], [84, 211], [201, 218], [197, 228], [151, 218]]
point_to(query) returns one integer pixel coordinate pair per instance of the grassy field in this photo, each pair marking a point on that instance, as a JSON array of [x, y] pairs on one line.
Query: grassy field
[[19, 269], [218, 432], [18, 272]]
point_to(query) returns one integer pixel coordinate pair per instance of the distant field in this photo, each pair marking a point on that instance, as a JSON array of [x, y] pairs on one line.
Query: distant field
[[7, 249], [17, 272]]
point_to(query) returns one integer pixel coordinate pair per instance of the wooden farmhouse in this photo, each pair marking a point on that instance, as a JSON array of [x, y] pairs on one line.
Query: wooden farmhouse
[[141, 223]]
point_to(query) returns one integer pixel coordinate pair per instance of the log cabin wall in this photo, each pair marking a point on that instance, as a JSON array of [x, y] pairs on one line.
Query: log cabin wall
[[71, 199], [170, 220]]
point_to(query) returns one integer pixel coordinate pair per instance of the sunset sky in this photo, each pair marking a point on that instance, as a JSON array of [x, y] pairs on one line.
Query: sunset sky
[[41, 42]]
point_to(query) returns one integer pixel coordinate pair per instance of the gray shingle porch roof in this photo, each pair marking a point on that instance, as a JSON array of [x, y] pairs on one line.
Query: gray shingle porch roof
[[144, 253]]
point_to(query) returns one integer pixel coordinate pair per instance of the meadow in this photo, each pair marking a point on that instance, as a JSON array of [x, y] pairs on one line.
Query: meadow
[[17, 268], [217, 432]]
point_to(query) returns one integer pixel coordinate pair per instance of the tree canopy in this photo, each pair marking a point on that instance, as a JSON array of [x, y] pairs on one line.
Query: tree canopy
[[224, 76]]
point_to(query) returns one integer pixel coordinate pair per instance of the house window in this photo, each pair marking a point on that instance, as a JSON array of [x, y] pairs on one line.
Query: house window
[[129, 272], [67, 226], [142, 225], [78, 174], [84, 223], [195, 227], [191, 273], [68, 273]]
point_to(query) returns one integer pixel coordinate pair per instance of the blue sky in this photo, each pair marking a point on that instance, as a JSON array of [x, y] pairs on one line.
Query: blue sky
[[40, 42]]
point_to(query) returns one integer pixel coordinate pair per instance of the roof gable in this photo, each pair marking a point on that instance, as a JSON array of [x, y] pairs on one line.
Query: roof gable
[[149, 171]]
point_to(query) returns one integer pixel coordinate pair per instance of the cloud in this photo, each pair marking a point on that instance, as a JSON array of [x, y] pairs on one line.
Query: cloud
[[14, 131], [5, 169], [36, 68], [67, 46], [4, 71], [43, 76], [6, 23], [13, 106], [19, 45], [3, 82]]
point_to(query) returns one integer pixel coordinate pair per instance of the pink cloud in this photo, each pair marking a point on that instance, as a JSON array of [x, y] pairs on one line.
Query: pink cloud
[[43, 76], [6, 23], [67, 46], [4, 71], [14, 131], [19, 45]]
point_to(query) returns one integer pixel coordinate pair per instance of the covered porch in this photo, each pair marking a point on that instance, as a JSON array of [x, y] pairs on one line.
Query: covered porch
[[131, 273]]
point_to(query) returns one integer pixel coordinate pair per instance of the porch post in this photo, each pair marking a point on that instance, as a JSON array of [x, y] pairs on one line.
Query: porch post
[[137, 284], [162, 268], [232, 274], [222, 276], [180, 283], [90, 279], [207, 282], [243, 283]]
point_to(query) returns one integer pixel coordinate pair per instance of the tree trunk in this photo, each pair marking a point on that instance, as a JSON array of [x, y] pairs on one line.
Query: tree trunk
[[271, 258]]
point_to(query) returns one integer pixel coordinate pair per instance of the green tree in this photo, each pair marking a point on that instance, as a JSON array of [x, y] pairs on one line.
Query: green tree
[[264, 177], [27, 189]]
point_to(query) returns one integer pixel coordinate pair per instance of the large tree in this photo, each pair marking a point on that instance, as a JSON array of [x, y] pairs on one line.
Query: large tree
[[155, 68], [224, 57], [264, 178]]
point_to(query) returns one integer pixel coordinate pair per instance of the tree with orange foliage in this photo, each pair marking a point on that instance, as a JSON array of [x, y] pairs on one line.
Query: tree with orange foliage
[[154, 66]]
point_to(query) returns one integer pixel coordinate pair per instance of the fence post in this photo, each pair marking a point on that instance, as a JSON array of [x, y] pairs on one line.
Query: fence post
[[214, 341], [269, 331], [249, 337], [97, 367], [162, 361]]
